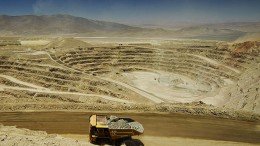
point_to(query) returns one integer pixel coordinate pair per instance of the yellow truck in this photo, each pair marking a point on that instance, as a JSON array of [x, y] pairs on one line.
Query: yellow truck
[[114, 131]]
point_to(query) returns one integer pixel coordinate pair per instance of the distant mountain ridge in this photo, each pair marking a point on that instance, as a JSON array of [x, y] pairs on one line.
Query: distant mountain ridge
[[77, 26], [236, 26], [61, 24]]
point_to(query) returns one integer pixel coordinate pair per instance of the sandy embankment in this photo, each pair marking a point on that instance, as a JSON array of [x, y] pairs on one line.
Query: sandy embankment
[[10, 135]]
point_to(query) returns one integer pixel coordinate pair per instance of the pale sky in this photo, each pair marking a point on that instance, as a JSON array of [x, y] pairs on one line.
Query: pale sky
[[141, 11]]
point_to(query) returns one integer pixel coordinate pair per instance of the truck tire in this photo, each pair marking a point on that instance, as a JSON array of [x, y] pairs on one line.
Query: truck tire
[[128, 143]]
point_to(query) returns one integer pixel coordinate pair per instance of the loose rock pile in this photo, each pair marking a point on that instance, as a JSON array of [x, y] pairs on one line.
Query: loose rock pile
[[120, 123]]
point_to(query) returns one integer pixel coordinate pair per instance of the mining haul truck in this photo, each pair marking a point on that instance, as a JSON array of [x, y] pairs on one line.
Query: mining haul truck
[[114, 131]]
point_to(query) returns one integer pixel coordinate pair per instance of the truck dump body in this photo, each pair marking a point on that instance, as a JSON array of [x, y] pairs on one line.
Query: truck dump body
[[120, 133]]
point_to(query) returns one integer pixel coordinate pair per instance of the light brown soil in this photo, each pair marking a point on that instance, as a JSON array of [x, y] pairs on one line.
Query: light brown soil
[[169, 141], [168, 127], [10, 135], [193, 77]]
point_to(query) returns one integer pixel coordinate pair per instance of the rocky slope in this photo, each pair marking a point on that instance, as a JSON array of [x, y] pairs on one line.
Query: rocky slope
[[10, 135]]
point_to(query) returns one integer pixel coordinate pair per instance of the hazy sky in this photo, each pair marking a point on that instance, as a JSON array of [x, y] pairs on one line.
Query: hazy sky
[[141, 11]]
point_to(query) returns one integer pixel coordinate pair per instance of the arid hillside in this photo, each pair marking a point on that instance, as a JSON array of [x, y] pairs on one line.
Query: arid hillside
[[122, 76], [67, 25], [57, 25]]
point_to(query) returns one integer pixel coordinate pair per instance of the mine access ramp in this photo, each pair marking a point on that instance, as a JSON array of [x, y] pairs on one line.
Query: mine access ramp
[[114, 131]]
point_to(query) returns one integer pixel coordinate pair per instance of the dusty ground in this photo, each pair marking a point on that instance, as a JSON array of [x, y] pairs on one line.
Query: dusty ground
[[178, 128], [172, 71], [10, 135], [194, 77]]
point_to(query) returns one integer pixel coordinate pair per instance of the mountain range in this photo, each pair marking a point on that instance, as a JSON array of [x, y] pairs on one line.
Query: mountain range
[[78, 26]]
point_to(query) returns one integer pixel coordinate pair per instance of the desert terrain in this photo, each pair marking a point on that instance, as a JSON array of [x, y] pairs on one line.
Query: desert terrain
[[191, 84], [165, 129], [69, 73], [196, 91]]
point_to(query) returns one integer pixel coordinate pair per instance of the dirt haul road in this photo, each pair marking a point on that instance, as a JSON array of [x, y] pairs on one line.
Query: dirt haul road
[[156, 125]]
